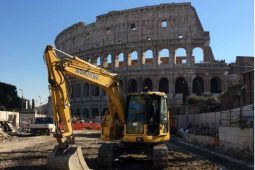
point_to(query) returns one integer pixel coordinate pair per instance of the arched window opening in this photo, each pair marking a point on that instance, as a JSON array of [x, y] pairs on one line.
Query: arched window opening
[[180, 56], [103, 112], [78, 90], [148, 57], [179, 85], [198, 55], [87, 35], [215, 85], [132, 86], [121, 83], [85, 89], [72, 90], [133, 59], [77, 113], [132, 27], [72, 113], [180, 36], [95, 112], [85, 114], [109, 60], [147, 85], [107, 30], [164, 85], [164, 23], [198, 86], [121, 60], [99, 61], [95, 90], [88, 59], [164, 56], [103, 93]]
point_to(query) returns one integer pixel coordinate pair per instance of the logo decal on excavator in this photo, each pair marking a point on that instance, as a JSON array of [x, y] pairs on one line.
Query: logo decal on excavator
[[88, 74]]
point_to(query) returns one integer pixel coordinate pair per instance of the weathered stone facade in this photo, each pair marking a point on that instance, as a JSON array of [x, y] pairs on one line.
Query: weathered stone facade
[[248, 91], [141, 46]]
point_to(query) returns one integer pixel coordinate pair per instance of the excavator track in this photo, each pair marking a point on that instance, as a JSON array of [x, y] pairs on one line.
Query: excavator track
[[105, 155], [160, 156]]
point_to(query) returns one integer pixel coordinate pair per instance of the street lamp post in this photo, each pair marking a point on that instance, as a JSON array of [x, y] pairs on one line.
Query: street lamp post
[[40, 100], [21, 99], [47, 107]]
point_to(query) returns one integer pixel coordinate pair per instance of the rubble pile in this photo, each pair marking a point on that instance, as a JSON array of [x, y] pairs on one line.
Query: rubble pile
[[3, 135]]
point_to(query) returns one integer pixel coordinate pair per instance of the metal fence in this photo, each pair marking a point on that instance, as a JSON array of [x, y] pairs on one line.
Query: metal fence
[[239, 117]]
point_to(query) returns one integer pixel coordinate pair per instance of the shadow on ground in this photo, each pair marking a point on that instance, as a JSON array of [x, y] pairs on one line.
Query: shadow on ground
[[89, 135]]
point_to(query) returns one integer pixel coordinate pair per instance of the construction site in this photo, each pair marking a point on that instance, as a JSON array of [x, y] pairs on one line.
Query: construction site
[[128, 91]]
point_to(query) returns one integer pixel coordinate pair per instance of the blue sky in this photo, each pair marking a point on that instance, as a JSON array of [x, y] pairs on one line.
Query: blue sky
[[28, 26]]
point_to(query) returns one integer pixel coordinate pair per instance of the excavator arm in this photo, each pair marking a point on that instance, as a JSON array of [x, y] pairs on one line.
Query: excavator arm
[[58, 70]]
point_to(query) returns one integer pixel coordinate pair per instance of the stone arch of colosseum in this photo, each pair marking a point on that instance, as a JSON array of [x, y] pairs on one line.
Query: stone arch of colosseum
[[198, 85], [141, 46]]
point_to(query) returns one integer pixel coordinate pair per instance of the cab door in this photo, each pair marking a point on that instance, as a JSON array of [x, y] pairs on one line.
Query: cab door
[[164, 116]]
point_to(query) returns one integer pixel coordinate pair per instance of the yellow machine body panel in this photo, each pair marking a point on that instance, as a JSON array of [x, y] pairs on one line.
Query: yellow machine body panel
[[144, 138], [143, 118], [147, 118]]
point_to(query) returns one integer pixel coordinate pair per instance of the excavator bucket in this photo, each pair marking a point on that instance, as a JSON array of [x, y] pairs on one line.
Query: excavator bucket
[[69, 159]]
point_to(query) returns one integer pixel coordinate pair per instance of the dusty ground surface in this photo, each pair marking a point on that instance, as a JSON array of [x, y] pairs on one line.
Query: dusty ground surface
[[31, 152]]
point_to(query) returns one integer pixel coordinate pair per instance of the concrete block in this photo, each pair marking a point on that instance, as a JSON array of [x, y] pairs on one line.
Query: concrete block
[[236, 137]]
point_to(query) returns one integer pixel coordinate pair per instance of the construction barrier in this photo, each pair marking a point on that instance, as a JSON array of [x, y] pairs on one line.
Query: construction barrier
[[84, 125]]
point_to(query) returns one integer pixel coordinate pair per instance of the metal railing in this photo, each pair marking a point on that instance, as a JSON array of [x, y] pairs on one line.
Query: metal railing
[[237, 118]]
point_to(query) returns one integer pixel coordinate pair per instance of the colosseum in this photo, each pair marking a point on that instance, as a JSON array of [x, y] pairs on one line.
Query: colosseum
[[149, 46]]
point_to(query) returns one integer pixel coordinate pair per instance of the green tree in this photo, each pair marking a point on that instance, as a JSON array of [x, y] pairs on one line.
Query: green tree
[[9, 99]]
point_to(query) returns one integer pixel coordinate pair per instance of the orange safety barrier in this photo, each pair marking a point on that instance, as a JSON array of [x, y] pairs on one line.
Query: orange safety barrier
[[84, 125]]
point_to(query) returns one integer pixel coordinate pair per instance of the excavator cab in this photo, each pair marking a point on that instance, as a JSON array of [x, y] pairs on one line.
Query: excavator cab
[[146, 118], [146, 130]]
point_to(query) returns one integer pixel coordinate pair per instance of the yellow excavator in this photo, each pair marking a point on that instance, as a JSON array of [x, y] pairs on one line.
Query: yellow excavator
[[140, 121]]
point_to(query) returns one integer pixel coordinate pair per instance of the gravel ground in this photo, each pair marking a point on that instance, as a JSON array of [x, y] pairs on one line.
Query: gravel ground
[[31, 153]]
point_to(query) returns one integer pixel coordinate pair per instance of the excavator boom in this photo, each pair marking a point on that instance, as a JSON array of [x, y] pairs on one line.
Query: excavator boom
[[66, 153], [142, 121]]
